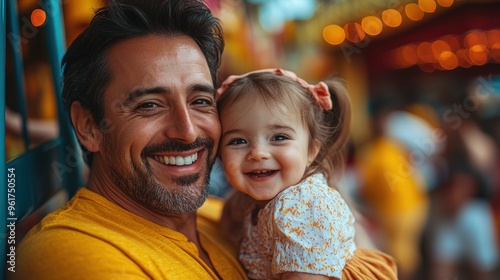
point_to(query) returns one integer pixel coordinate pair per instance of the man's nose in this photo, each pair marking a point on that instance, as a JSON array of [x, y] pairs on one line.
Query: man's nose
[[181, 125]]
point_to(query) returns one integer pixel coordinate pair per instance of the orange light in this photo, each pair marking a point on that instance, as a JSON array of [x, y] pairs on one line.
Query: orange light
[[445, 3], [409, 54], [402, 58], [475, 38], [371, 25], [414, 12], [448, 60], [452, 41], [392, 18], [495, 52], [463, 58], [394, 60], [478, 55], [493, 37], [428, 6], [424, 53], [333, 34], [354, 32], [38, 17], [438, 47]]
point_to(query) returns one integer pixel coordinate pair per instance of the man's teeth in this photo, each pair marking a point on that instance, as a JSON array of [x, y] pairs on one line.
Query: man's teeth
[[178, 160]]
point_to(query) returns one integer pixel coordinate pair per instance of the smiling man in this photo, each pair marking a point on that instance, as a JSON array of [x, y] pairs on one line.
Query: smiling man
[[139, 88]]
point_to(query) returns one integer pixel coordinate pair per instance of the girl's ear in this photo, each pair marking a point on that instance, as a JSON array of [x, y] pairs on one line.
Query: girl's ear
[[86, 129], [314, 148]]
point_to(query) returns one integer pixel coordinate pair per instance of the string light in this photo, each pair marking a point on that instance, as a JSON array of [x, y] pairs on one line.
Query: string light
[[333, 34], [473, 48], [371, 25], [392, 18], [354, 32], [414, 12], [428, 6], [445, 3]]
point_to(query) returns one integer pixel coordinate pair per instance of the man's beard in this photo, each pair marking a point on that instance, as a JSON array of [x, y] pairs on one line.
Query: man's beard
[[183, 196]]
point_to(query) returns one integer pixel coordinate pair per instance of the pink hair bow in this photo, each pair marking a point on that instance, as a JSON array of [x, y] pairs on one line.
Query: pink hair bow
[[319, 91]]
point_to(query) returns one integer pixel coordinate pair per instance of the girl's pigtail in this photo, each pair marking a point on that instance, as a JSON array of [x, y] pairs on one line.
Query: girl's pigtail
[[338, 119]]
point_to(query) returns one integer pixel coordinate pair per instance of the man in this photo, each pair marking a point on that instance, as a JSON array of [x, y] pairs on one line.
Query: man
[[139, 87]]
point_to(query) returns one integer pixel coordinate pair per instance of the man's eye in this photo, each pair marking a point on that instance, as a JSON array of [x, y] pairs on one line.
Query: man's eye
[[238, 141], [147, 105], [203, 102]]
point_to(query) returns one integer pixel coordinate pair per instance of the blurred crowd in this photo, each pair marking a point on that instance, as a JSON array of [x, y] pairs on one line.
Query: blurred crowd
[[426, 181]]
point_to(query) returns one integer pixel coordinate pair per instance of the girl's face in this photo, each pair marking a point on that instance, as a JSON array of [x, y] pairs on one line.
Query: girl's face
[[263, 151]]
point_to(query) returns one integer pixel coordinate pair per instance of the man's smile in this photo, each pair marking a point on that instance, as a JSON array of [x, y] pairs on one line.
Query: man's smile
[[177, 160]]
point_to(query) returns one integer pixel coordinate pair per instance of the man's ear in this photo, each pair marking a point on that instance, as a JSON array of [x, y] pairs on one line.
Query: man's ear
[[314, 148], [87, 131]]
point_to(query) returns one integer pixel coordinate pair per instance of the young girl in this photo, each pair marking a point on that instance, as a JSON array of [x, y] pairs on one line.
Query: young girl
[[281, 145]]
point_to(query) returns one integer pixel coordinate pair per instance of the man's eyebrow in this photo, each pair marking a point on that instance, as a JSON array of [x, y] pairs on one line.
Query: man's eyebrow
[[163, 90], [132, 96], [203, 88]]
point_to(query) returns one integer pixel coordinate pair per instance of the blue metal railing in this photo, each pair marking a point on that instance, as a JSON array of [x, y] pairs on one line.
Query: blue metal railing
[[36, 170]]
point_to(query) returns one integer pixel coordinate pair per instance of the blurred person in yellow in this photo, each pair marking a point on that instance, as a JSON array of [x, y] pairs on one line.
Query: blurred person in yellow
[[392, 186]]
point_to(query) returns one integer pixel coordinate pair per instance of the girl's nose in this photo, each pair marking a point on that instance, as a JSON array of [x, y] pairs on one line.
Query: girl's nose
[[258, 152]]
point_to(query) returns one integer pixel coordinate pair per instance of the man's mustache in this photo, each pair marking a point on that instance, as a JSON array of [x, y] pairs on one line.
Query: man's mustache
[[170, 146]]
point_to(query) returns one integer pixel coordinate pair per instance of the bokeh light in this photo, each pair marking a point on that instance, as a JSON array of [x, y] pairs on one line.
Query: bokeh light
[[439, 47], [495, 52], [453, 42], [445, 3], [428, 6], [425, 54], [409, 54], [38, 17], [448, 60], [475, 37], [414, 12], [493, 37], [478, 55], [333, 34], [392, 18], [354, 32], [372, 25]]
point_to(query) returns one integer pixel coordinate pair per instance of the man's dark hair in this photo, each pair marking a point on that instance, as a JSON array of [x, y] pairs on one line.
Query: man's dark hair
[[86, 73]]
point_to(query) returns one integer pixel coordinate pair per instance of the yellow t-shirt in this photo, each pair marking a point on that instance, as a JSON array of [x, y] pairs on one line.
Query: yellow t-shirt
[[92, 238]]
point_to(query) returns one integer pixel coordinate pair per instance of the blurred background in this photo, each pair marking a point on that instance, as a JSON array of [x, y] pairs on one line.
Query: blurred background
[[423, 163]]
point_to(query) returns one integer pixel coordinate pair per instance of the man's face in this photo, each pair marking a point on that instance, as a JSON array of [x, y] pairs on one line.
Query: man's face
[[161, 124]]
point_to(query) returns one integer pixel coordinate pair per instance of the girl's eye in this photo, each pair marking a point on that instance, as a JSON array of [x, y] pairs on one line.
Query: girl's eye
[[237, 141], [279, 137]]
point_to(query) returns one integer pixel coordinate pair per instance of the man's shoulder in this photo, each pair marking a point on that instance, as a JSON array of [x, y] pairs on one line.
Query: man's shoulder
[[64, 252]]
